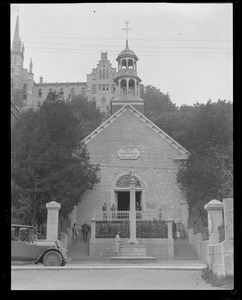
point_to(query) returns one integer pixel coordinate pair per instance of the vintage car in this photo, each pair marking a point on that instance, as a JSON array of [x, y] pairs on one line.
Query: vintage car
[[25, 246]]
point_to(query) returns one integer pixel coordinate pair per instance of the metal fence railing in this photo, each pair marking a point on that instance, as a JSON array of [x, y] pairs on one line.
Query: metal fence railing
[[125, 215], [221, 231]]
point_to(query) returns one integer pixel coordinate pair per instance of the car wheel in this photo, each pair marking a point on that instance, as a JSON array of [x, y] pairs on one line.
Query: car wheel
[[52, 258]]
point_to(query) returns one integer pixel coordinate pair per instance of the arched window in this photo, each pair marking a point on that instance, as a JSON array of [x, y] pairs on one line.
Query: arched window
[[113, 89], [25, 89], [100, 88], [107, 88], [83, 92], [103, 102], [131, 86], [124, 86], [100, 74], [72, 91], [94, 90], [50, 90], [39, 93], [124, 64], [130, 64], [103, 74], [107, 74], [104, 89]]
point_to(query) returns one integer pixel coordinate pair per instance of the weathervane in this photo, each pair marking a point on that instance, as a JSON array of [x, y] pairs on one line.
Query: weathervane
[[126, 29]]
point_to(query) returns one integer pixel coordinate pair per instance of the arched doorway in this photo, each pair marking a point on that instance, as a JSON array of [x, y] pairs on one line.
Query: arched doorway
[[122, 192]]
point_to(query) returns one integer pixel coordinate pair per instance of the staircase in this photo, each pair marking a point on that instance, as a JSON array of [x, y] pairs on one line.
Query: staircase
[[78, 251], [184, 251]]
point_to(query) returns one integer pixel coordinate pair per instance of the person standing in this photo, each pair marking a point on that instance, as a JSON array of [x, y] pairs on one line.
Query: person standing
[[113, 209], [117, 244], [74, 234], [104, 209]]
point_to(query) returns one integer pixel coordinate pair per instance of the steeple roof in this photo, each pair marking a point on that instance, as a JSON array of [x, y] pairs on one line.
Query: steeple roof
[[16, 46], [127, 52]]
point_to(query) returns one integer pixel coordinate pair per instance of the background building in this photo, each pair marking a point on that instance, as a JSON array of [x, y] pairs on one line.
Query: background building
[[100, 86]]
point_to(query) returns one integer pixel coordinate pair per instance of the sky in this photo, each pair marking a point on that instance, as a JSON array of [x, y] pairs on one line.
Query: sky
[[183, 49]]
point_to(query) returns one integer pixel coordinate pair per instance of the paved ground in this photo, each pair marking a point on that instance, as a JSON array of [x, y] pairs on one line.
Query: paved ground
[[108, 279]]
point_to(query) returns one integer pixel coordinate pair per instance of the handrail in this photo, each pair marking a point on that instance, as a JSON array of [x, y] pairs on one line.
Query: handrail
[[125, 215]]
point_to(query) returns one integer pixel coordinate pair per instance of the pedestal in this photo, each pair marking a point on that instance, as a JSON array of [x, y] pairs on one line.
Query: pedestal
[[215, 219]]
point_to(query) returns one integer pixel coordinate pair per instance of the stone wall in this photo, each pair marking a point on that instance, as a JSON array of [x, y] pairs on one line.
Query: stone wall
[[155, 168], [159, 248]]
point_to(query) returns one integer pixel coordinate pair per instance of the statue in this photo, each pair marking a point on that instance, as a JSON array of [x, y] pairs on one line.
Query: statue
[[132, 173]]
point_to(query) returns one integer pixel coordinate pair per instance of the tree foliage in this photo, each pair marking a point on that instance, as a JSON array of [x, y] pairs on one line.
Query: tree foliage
[[206, 131], [48, 161]]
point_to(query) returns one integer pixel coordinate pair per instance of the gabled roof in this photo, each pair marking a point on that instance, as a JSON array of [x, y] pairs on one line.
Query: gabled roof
[[141, 117]]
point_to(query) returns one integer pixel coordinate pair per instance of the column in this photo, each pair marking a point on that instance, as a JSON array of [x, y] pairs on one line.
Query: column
[[132, 214], [52, 220], [170, 240]]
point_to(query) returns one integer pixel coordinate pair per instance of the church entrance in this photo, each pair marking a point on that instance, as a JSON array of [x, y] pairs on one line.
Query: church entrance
[[123, 200]]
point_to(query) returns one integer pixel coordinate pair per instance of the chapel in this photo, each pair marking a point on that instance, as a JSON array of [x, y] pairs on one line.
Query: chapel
[[126, 141]]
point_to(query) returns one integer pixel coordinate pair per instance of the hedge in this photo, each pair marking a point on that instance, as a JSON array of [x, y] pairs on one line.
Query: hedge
[[144, 229]]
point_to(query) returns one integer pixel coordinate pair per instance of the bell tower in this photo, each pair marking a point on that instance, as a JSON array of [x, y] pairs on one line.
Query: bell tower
[[127, 81]]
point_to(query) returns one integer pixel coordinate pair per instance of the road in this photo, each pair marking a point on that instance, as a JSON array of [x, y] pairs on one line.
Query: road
[[114, 279]]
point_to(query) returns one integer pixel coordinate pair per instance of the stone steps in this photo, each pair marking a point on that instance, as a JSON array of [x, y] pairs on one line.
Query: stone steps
[[184, 251], [132, 250], [133, 259]]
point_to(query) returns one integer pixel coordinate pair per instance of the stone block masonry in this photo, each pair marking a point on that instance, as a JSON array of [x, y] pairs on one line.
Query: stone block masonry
[[155, 168]]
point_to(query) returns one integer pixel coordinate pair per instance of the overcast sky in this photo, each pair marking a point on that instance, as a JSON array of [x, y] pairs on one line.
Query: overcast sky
[[183, 49]]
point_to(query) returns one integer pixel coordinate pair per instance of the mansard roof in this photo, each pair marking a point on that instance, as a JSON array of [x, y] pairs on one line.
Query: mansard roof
[[145, 120]]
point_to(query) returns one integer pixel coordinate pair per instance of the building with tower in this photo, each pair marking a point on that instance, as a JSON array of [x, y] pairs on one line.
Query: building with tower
[[128, 140], [99, 87]]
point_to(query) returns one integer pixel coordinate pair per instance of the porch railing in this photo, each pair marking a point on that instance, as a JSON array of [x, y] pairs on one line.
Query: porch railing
[[124, 215]]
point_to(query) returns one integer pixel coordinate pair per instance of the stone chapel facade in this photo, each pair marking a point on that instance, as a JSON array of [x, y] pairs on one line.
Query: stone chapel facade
[[129, 140]]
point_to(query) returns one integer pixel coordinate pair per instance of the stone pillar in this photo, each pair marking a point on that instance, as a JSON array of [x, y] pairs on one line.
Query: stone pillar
[[185, 214], [170, 241], [52, 220], [169, 228], [228, 218], [93, 228], [229, 236], [215, 219], [132, 213]]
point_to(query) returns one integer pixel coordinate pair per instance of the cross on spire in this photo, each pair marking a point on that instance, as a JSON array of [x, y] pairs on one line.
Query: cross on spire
[[126, 29]]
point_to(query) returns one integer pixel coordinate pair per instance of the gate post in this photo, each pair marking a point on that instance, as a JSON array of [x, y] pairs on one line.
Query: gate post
[[52, 220]]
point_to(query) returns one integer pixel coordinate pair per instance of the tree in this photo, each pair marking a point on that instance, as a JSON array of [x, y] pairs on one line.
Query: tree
[[155, 101], [17, 97], [86, 113], [208, 173], [48, 162]]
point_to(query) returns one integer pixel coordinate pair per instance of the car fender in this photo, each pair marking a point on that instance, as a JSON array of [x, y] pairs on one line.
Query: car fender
[[40, 258]]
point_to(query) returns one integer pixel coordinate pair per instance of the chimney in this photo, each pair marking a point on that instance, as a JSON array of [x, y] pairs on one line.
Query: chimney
[[41, 79]]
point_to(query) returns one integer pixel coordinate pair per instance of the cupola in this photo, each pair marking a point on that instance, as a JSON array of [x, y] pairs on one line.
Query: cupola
[[127, 81]]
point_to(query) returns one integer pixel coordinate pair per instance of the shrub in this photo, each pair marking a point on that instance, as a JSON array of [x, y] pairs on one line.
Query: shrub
[[107, 229], [144, 229], [151, 229], [217, 280]]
